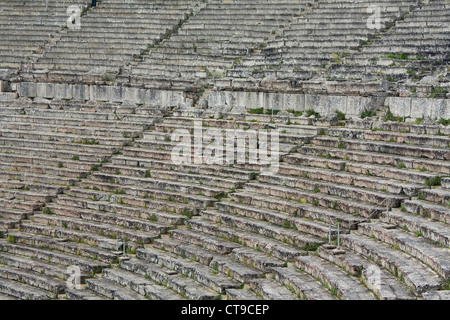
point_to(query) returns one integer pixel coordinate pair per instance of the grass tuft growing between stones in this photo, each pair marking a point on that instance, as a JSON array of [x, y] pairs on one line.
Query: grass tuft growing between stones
[[436, 181]]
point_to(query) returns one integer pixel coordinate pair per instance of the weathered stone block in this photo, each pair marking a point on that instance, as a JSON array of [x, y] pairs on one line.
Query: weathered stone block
[[100, 93], [400, 107], [152, 97], [45, 90], [63, 91], [424, 107], [27, 89], [80, 92], [117, 94], [135, 95], [4, 86]]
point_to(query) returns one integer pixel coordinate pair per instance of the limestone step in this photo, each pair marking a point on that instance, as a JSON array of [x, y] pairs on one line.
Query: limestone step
[[278, 218], [304, 286], [78, 146], [392, 148], [188, 188], [111, 290], [437, 295], [53, 230], [249, 258], [84, 294], [184, 286], [436, 195], [117, 219], [55, 154], [124, 211], [241, 294], [31, 264], [386, 136], [23, 291], [233, 238], [421, 249], [288, 236], [86, 265], [128, 194], [319, 200], [100, 228], [205, 241], [367, 181], [139, 284], [174, 175], [414, 273], [80, 249], [436, 231], [47, 162], [64, 138], [339, 283], [228, 265], [382, 283], [271, 289], [218, 171], [433, 165], [334, 189], [427, 209], [300, 209], [195, 270], [34, 279]]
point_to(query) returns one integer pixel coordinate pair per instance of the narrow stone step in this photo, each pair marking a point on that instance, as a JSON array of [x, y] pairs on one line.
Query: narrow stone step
[[367, 181], [290, 236], [135, 209], [185, 286], [195, 270], [271, 290], [278, 218], [428, 210], [414, 273], [23, 291], [139, 284], [440, 167], [38, 266], [261, 243], [204, 240], [219, 263], [418, 247], [340, 283], [378, 280], [368, 196], [79, 249], [433, 230], [438, 195], [86, 265], [301, 208], [437, 295], [116, 219], [111, 290], [84, 294], [5, 297], [316, 199], [99, 228], [34, 279], [305, 286], [241, 294]]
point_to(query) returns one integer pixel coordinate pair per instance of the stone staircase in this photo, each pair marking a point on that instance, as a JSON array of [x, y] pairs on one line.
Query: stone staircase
[[350, 199], [28, 27], [416, 47], [112, 35], [214, 38], [312, 44]]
